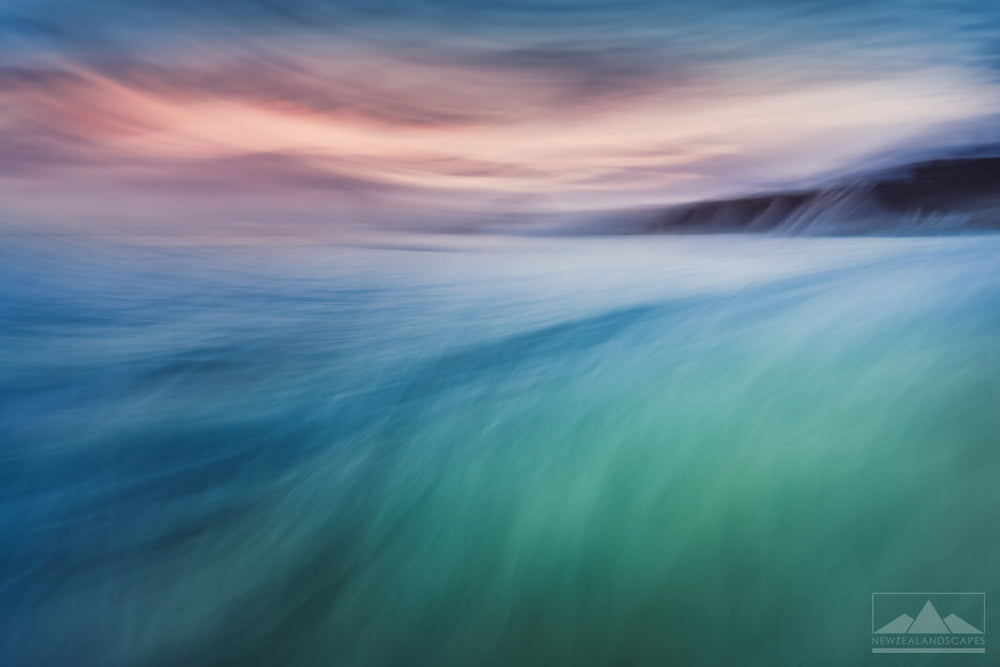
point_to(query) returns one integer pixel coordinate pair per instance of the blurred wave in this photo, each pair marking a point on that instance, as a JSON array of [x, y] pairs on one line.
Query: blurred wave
[[943, 196], [481, 450]]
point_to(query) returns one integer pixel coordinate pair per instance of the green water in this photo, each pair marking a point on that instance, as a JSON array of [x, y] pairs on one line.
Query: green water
[[715, 477]]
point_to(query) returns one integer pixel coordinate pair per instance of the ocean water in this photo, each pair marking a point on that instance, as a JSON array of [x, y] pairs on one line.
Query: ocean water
[[492, 451]]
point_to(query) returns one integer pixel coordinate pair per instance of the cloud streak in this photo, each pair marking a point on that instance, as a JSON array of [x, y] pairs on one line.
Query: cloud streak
[[589, 104]]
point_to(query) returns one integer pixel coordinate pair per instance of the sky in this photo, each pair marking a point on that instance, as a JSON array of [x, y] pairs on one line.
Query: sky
[[181, 112]]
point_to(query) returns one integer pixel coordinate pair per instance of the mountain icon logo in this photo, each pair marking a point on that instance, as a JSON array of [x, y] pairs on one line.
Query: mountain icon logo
[[929, 622], [909, 622]]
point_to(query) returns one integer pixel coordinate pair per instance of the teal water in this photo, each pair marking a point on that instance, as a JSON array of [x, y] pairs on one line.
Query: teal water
[[494, 452]]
